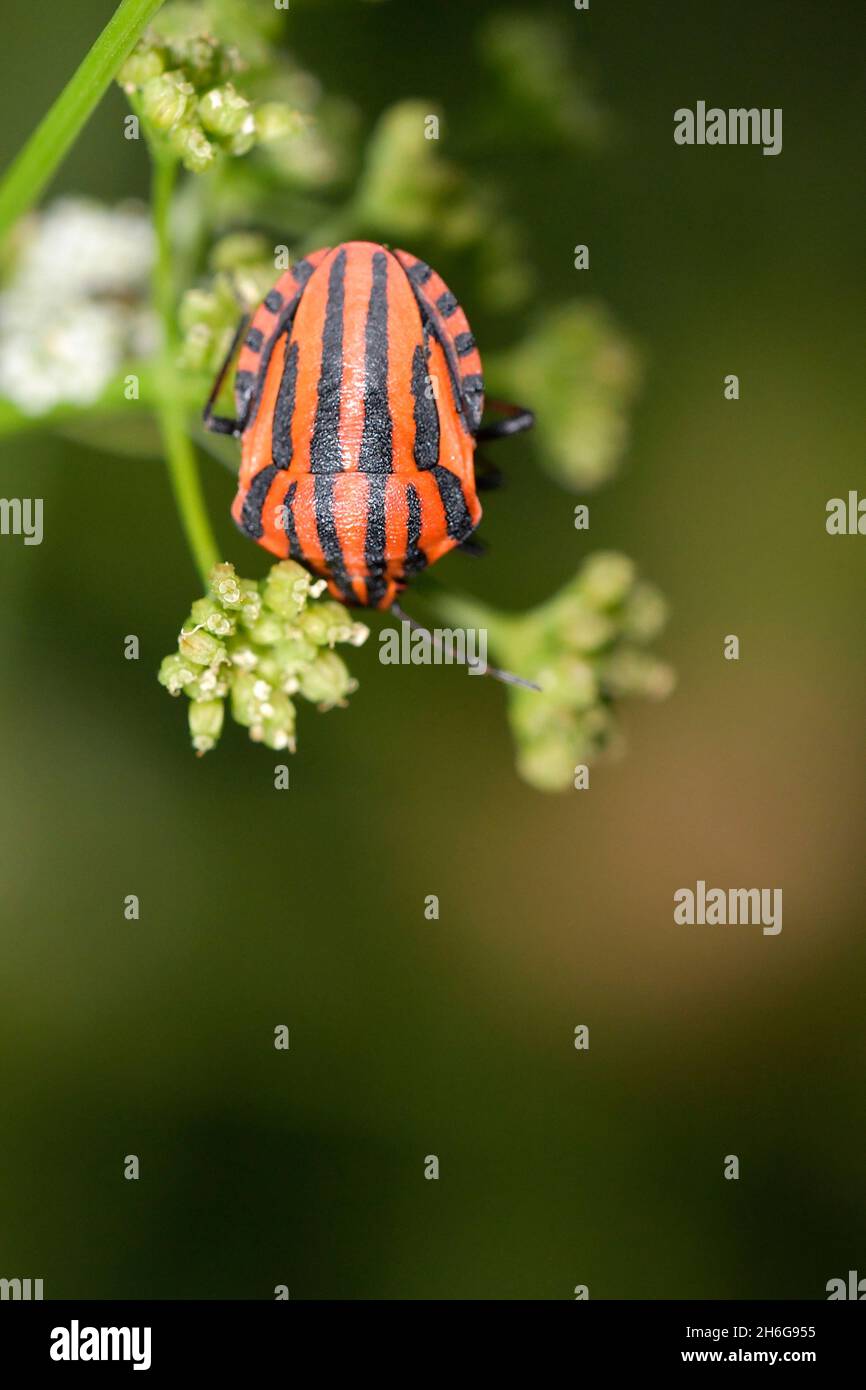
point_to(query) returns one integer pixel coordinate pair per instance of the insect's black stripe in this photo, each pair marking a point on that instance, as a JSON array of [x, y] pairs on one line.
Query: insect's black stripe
[[429, 320], [447, 304], [284, 409], [377, 441], [248, 385], [281, 449], [419, 273], [254, 339], [426, 414], [251, 512], [472, 388], [289, 522], [415, 559], [464, 343], [374, 543], [245, 386], [458, 522], [326, 528], [273, 301], [325, 442]]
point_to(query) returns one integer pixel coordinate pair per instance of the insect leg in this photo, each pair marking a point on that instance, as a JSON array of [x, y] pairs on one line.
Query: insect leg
[[221, 424], [517, 418], [487, 475]]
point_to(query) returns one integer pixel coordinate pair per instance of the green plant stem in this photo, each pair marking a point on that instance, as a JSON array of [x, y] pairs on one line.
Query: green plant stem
[[170, 409], [60, 127]]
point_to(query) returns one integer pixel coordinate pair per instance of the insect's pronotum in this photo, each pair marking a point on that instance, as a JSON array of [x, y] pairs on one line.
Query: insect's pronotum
[[359, 397]]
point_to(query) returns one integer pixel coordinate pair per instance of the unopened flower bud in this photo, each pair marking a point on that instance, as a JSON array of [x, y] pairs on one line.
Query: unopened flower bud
[[286, 588], [606, 578], [645, 613], [206, 612], [192, 146], [267, 629], [225, 585], [223, 111], [211, 683], [275, 121], [244, 139], [327, 682], [245, 705], [166, 99], [141, 65], [205, 724], [292, 654], [278, 729], [201, 647], [175, 673], [325, 624]]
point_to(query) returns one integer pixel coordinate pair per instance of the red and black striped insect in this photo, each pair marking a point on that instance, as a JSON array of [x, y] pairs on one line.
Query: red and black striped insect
[[359, 398]]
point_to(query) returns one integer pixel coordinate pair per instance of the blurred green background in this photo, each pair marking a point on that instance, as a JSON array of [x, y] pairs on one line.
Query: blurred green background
[[305, 907]]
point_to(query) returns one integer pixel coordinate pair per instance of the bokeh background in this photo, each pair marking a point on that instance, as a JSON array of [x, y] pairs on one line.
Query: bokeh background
[[409, 1037]]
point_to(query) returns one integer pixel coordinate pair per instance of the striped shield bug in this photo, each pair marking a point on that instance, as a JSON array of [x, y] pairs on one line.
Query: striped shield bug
[[359, 397]]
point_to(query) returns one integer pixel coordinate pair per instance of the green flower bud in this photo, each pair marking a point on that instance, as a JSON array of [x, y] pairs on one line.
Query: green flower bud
[[606, 579], [630, 671], [201, 647], [645, 613], [175, 673], [251, 601], [548, 763], [192, 146], [245, 707], [277, 729], [325, 624], [225, 585], [327, 682], [242, 654], [267, 629], [203, 59], [223, 111], [291, 655], [206, 612], [240, 249], [286, 588], [244, 139], [211, 684], [198, 307], [583, 629], [277, 121], [141, 65], [166, 99], [570, 682], [205, 724]]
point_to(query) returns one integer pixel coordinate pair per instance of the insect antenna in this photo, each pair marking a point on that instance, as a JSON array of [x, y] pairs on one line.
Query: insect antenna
[[507, 677]]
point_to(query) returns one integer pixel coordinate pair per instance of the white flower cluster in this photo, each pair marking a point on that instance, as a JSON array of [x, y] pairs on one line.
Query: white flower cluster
[[74, 308]]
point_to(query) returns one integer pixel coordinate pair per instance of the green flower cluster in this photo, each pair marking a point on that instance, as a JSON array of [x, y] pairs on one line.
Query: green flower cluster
[[183, 85], [243, 272], [580, 375], [258, 645], [587, 649]]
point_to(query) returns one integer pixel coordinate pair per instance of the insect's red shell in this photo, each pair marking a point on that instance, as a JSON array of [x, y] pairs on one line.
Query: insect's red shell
[[361, 387]]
